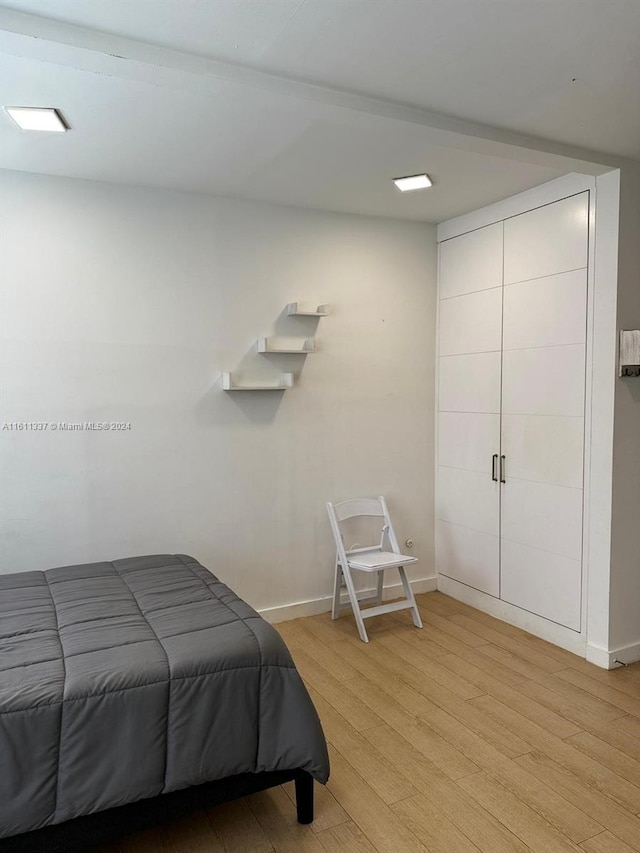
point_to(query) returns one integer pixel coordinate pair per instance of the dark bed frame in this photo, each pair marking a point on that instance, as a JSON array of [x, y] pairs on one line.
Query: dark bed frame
[[82, 833]]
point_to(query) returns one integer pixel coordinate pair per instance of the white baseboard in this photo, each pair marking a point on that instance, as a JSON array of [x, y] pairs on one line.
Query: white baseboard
[[549, 631], [607, 658], [323, 605]]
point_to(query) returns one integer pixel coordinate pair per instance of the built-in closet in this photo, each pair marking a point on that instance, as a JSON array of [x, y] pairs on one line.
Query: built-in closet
[[513, 301]]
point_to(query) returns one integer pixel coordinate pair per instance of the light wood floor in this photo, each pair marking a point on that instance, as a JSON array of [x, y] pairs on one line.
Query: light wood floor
[[467, 736]]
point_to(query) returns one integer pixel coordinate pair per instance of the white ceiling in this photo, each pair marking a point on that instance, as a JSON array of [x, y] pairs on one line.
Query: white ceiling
[[161, 119]]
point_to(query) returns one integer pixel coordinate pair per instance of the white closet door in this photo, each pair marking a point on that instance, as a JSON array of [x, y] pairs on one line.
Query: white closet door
[[468, 503], [543, 393]]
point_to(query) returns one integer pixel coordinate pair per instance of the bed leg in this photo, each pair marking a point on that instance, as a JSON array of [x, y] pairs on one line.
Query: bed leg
[[304, 797]]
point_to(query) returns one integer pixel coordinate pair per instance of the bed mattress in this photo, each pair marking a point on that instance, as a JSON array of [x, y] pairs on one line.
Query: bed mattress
[[124, 680]]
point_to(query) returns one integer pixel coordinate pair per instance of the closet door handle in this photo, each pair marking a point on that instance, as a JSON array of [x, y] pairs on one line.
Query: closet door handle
[[503, 460], [494, 467]]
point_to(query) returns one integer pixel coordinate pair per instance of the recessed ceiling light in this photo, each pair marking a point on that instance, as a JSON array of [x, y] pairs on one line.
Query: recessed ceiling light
[[38, 118], [413, 182]]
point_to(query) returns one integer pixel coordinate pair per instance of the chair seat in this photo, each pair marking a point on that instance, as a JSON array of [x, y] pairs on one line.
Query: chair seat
[[369, 558], [372, 561]]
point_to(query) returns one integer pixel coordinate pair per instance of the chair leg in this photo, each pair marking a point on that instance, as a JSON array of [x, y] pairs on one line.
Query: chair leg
[[335, 611], [353, 598], [379, 587], [415, 613]]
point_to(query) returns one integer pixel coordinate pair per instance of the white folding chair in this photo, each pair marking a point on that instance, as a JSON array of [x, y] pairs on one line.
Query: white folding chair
[[373, 559]]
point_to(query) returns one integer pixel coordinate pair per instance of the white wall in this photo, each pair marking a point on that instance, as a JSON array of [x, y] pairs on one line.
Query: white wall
[[603, 387], [123, 304], [624, 624]]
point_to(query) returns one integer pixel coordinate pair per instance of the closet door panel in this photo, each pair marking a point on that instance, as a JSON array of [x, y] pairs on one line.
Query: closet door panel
[[468, 498], [467, 440], [546, 312], [470, 347], [543, 395], [471, 262], [548, 240], [470, 383], [543, 583], [545, 450], [471, 323], [544, 381], [543, 515], [468, 556]]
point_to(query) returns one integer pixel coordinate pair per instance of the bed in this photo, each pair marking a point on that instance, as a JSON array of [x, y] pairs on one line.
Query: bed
[[129, 680]]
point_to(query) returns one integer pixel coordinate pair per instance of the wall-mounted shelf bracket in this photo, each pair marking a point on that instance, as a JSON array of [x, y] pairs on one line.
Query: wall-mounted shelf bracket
[[229, 383], [289, 345], [300, 309]]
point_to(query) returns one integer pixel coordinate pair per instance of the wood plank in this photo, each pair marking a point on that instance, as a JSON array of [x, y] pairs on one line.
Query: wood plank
[[512, 661], [486, 832], [190, 834], [571, 703], [521, 648], [606, 842], [384, 829], [498, 670], [407, 631], [561, 655], [445, 678], [327, 810], [505, 741], [438, 750], [516, 815], [553, 808], [435, 637], [611, 695], [365, 662], [363, 757], [415, 678], [386, 707], [575, 789], [346, 703], [628, 724], [408, 760], [293, 633], [437, 832], [583, 696], [621, 763], [238, 829], [618, 738], [537, 712], [272, 810], [325, 654], [327, 630], [441, 605], [345, 838], [611, 784], [626, 679], [450, 626], [460, 607]]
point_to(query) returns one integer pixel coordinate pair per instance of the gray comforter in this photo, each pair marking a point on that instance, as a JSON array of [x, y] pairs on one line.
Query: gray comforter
[[123, 680]]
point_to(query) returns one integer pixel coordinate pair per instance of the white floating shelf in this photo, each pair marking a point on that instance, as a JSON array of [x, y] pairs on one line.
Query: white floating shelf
[[291, 345], [229, 384], [299, 309]]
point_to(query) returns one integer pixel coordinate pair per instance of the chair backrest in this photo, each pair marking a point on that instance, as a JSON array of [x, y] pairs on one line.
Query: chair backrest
[[357, 508]]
